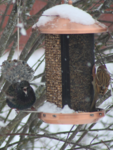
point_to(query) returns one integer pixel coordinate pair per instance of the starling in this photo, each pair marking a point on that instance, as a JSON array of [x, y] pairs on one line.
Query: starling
[[20, 95]]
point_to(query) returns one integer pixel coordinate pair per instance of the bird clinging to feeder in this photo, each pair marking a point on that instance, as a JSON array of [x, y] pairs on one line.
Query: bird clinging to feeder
[[101, 81]]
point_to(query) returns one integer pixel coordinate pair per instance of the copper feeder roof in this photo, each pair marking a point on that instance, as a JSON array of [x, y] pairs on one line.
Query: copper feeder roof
[[65, 26]]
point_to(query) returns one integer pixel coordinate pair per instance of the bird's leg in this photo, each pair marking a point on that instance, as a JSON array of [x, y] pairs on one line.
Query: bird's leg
[[16, 110], [33, 108]]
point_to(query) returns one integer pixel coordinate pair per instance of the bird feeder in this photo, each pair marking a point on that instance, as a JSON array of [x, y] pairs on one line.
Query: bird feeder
[[69, 55]]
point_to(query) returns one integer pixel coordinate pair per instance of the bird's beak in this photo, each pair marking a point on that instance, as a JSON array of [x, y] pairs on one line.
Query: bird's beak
[[25, 90]]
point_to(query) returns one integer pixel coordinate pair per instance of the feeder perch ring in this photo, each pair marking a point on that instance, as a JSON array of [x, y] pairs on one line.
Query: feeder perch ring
[[73, 118]]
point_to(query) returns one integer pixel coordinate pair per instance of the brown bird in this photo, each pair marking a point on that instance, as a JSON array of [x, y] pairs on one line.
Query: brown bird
[[101, 81]]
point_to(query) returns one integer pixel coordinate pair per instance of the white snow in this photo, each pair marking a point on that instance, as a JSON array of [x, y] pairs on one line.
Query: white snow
[[28, 14], [20, 25], [23, 31], [101, 24], [100, 7], [66, 11], [13, 1], [52, 108], [66, 110]]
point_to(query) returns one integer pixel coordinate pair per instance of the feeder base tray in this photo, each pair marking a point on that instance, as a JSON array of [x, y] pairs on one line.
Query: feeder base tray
[[74, 118]]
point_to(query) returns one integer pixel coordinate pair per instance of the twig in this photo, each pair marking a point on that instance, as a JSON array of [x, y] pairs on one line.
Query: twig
[[94, 139], [105, 144]]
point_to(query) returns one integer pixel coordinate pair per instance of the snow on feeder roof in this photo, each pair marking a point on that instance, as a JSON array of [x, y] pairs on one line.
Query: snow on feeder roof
[[67, 19]]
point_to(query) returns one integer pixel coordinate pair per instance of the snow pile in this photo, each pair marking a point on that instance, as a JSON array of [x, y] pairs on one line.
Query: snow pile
[[22, 29], [66, 11], [52, 108], [66, 110]]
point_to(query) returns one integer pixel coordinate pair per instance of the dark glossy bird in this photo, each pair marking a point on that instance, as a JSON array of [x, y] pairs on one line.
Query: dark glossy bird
[[101, 81], [20, 95]]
